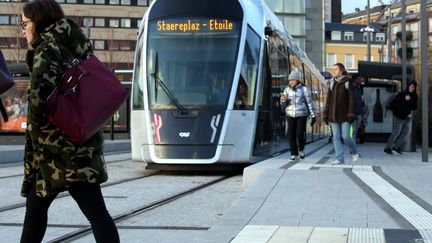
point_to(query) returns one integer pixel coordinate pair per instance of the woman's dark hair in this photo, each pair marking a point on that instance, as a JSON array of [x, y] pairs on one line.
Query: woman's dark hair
[[342, 68], [43, 13]]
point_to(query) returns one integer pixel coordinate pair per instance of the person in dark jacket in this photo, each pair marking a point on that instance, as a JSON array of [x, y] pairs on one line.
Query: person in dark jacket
[[339, 112], [297, 102], [404, 103], [358, 101], [53, 162]]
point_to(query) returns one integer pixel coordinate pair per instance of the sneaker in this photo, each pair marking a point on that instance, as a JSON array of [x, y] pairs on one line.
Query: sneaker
[[293, 158], [356, 157], [388, 151], [302, 155], [397, 151], [336, 162]]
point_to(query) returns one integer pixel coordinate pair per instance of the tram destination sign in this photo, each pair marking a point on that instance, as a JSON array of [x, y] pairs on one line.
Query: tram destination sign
[[188, 25]]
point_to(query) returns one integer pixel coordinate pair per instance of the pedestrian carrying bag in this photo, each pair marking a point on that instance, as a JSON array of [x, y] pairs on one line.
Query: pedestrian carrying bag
[[6, 81], [87, 95]]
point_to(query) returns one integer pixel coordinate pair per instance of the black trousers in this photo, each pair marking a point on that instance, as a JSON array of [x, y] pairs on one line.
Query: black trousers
[[296, 133], [89, 198]]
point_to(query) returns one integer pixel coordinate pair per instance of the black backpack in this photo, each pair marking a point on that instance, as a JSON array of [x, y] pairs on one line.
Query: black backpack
[[390, 103]]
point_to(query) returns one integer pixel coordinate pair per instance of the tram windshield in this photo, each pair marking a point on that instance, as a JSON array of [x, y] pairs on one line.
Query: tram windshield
[[194, 57]]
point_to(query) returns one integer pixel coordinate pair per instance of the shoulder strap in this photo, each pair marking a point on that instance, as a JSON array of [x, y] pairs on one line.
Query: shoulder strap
[[332, 83]]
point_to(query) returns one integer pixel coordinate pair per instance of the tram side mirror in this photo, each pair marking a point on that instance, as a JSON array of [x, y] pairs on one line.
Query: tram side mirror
[[268, 31]]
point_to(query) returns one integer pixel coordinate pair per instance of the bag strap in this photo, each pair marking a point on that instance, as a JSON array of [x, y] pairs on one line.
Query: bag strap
[[72, 58], [3, 111]]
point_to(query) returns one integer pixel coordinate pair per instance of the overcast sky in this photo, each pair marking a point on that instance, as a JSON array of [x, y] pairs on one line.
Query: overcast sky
[[348, 6]]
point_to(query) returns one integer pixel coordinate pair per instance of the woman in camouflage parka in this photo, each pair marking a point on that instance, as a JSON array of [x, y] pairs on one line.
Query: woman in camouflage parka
[[52, 161]]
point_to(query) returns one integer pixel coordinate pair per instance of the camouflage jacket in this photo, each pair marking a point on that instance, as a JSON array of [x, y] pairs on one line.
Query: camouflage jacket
[[51, 159]]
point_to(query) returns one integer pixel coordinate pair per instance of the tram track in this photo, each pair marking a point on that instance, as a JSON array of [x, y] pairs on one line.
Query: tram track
[[65, 194], [139, 210]]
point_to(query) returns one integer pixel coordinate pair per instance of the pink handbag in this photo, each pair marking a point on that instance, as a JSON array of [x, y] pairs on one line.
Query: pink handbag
[[87, 95]]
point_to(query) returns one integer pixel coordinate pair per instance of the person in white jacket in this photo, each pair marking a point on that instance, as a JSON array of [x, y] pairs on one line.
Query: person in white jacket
[[297, 102]]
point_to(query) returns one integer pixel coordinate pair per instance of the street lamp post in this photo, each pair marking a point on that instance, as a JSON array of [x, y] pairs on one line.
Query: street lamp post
[[368, 32]]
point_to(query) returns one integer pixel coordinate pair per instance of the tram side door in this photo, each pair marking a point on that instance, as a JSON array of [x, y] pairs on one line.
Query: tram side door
[[268, 135]]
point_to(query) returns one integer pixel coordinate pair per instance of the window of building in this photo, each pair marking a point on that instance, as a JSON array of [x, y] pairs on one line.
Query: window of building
[[125, 23], [413, 27], [139, 23], [113, 45], [71, 1], [4, 19], [349, 60], [14, 20], [414, 43], [296, 24], [365, 35], [114, 23], [99, 45], [275, 5], [125, 45], [114, 2], [349, 36], [143, 2], [88, 1], [99, 22], [125, 2], [88, 22], [60, 1], [336, 35], [395, 29], [331, 59], [4, 42], [430, 25], [380, 37], [293, 6], [100, 1]]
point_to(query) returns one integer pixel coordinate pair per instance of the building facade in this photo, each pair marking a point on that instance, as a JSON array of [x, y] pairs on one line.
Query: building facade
[[304, 20], [347, 44], [110, 24]]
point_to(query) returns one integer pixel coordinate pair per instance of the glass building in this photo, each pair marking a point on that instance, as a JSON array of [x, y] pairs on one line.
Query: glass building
[[300, 17]]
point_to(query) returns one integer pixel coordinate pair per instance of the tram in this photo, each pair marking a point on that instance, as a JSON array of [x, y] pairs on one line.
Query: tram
[[207, 81]]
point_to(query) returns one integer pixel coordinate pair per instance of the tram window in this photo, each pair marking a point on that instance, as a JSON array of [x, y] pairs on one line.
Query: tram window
[[138, 82], [249, 72], [194, 58]]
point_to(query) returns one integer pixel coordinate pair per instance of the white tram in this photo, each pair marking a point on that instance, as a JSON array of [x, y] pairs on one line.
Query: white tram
[[206, 83]]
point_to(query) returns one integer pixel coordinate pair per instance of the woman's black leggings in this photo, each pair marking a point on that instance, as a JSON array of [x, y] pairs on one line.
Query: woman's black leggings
[[89, 198], [296, 133]]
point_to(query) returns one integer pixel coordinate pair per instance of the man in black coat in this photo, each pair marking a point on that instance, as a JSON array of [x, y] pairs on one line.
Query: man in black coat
[[404, 103]]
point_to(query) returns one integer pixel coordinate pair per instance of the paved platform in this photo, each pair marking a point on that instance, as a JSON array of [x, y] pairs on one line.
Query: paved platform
[[380, 198]]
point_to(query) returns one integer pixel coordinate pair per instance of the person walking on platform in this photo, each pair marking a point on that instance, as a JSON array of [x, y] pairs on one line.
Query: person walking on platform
[[357, 80], [402, 106], [296, 99], [339, 112], [52, 161]]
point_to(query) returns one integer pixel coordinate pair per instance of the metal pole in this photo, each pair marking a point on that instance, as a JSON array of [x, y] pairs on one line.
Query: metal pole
[[368, 32], [389, 35], [424, 81], [403, 46]]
